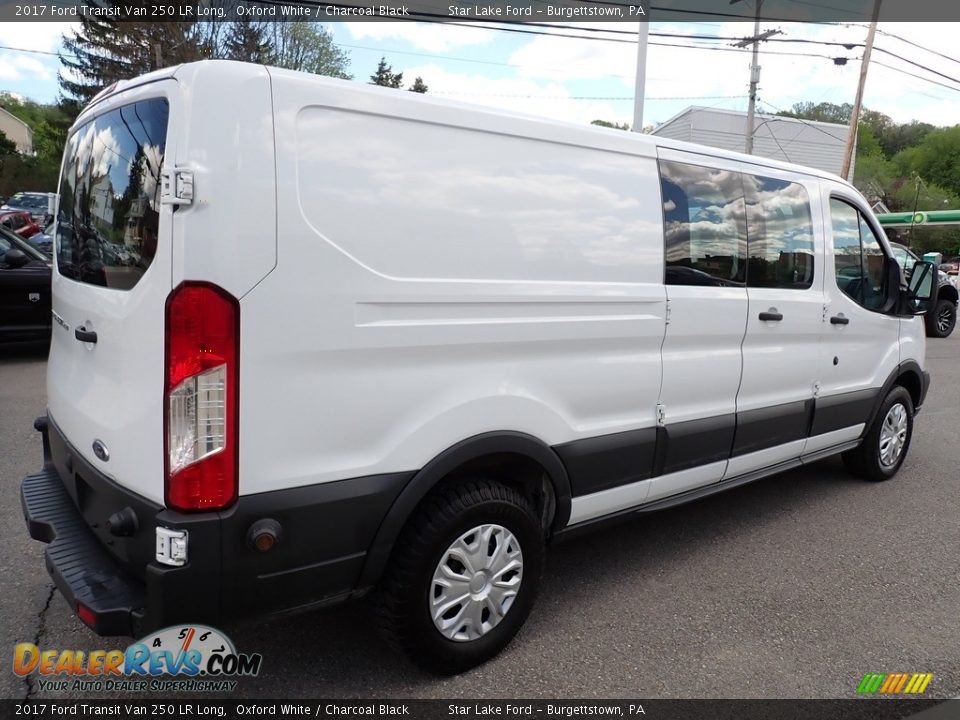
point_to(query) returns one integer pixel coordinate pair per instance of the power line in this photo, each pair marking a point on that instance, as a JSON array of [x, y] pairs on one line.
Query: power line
[[917, 45], [914, 75], [916, 64], [788, 118]]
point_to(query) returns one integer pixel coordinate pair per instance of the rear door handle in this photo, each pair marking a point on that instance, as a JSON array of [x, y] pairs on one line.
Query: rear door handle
[[84, 335], [839, 320], [771, 316]]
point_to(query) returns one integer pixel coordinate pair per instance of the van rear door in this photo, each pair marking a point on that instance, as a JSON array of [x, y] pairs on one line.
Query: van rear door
[[105, 378]]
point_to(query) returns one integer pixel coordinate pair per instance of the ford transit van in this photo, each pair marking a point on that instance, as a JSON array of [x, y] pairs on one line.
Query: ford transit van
[[367, 340]]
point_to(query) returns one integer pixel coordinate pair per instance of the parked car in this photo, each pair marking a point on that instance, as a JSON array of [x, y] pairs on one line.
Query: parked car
[[43, 240], [942, 318], [460, 340], [35, 203], [21, 222], [24, 290]]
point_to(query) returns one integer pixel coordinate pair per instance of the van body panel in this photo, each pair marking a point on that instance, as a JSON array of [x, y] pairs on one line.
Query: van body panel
[[447, 339], [228, 234], [111, 391]]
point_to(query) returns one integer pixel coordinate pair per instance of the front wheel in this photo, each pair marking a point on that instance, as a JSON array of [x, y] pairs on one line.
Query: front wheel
[[942, 318], [887, 440], [462, 577]]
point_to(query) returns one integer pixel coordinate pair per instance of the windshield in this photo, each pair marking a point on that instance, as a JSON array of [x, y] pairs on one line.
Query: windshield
[[12, 240], [109, 213], [34, 201]]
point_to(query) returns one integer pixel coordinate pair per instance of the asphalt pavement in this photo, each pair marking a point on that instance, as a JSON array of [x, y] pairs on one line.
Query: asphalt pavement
[[791, 587]]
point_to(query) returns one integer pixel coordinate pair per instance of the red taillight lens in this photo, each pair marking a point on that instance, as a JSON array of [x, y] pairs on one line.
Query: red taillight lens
[[201, 397]]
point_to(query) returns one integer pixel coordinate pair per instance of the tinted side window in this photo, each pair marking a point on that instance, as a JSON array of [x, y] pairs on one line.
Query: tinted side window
[[108, 218], [780, 233], [704, 225], [857, 255]]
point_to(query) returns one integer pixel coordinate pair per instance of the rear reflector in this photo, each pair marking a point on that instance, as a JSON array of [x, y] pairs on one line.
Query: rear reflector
[[86, 615], [201, 413]]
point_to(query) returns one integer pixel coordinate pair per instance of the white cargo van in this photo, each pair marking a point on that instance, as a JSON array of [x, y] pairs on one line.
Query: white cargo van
[[370, 340]]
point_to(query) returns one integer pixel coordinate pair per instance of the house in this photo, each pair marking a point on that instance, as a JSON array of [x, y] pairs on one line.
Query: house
[[17, 131], [805, 142]]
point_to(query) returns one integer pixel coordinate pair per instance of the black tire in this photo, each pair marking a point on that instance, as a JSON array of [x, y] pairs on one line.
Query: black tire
[[942, 318], [403, 598], [865, 460]]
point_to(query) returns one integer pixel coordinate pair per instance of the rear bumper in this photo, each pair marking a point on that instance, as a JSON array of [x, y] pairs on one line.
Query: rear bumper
[[326, 531]]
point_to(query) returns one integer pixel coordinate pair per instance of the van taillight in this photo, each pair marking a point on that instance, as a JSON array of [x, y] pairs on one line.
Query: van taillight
[[201, 397]]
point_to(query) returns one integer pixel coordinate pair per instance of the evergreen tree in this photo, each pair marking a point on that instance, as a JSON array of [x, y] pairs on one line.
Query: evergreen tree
[[419, 86], [385, 77], [247, 41], [105, 49]]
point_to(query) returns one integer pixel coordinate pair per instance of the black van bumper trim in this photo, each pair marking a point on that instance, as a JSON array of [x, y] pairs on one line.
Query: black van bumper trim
[[328, 529], [78, 564]]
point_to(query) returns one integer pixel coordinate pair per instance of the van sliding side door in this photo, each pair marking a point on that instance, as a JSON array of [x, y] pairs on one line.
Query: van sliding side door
[[705, 246], [785, 272]]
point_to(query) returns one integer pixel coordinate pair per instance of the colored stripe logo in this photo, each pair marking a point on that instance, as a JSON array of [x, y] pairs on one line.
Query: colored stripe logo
[[894, 683]]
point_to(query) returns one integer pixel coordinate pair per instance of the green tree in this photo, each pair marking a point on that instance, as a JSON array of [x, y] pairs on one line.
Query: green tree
[[39, 170], [247, 40], [106, 48], [7, 146], [820, 112], [608, 124], [308, 47], [936, 159], [419, 86], [385, 77]]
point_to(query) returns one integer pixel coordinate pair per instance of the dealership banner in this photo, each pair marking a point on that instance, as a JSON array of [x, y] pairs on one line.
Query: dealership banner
[[489, 709], [520, 12]]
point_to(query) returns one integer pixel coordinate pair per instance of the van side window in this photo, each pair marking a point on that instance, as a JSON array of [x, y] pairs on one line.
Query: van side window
[[780, 234], [704, 225], [857, 256]]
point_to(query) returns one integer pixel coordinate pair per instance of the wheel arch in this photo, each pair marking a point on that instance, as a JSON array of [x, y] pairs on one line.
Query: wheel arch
[[472, 454], [948, 292], [908, 375]]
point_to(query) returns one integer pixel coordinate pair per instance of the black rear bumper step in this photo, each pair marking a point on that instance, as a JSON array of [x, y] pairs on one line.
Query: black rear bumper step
[[78, 564]]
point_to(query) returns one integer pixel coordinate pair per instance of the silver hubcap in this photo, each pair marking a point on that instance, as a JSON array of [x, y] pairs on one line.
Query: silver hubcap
[[893, 435], [475, 583]]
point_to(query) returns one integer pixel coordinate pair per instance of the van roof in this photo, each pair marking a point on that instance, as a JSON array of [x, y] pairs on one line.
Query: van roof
[[572, 133]]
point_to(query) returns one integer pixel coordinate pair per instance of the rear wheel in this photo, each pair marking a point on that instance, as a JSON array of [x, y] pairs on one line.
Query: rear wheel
[[462, 577], [942, 318], [887, 440]]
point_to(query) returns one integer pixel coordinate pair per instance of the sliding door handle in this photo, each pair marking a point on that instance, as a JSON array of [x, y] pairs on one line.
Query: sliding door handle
[[771, 316], [839, 320]]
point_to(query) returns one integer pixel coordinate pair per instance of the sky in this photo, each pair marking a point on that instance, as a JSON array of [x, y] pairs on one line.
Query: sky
[[579, 80]]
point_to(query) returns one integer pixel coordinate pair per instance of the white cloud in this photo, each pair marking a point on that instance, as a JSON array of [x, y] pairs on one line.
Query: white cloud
[[550, 99], [16, 66], [43, 36], [432, 37]]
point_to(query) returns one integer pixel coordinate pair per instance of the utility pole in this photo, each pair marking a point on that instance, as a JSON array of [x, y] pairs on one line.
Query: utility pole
[[858, 101], [754, 71], [641, 79]]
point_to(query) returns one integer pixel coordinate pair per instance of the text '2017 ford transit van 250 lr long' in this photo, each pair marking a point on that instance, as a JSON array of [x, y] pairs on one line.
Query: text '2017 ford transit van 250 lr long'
[[371, 340]]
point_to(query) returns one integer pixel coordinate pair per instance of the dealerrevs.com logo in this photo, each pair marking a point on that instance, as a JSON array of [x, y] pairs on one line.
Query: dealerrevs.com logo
[[192, 658]]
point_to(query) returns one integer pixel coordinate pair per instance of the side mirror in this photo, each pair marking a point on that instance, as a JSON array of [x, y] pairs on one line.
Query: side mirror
[[922, 289], [15, 258], [893, 282]]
